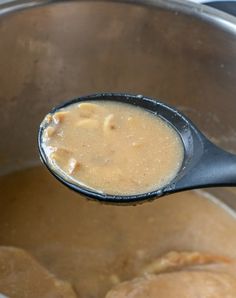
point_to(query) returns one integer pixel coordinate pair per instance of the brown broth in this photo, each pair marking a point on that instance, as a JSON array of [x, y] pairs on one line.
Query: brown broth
[[112, 147]]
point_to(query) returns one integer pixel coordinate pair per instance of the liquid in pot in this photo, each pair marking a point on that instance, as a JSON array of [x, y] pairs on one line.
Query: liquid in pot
[[93, 247]]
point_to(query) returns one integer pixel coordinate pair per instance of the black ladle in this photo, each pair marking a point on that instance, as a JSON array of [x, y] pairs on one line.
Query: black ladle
[[204, 164]]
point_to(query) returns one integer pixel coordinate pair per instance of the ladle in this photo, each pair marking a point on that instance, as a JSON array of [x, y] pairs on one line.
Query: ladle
[[204, 164]]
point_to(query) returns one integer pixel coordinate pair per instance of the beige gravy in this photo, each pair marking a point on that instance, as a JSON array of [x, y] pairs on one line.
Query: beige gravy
[[112, 147], [93, 247]]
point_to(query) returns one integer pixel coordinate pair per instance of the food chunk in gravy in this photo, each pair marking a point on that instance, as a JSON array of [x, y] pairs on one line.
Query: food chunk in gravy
[[112, 147], [22, 276], [184, 284], [182, 274]]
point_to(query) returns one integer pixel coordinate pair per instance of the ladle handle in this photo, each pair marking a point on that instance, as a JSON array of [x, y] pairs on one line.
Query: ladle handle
[[216, 167], [223, 5]]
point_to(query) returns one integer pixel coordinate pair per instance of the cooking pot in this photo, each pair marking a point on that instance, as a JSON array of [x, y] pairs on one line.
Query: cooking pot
[[181, 52]]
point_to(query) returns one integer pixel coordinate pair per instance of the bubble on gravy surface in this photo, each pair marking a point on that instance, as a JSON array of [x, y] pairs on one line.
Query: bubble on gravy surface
[[93, 248], [112, 147]]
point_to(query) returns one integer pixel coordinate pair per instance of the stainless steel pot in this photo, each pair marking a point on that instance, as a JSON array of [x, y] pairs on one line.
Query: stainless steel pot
[[180, 52]]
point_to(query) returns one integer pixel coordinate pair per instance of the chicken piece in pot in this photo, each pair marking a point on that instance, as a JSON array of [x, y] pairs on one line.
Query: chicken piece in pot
[[22, 276], [185, 275]]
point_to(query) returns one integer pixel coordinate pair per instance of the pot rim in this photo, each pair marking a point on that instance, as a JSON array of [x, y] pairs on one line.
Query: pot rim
[[204, 12]]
